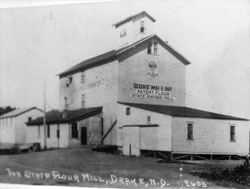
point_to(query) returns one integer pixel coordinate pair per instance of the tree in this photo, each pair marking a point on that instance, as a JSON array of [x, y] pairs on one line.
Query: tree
[[4, 110]]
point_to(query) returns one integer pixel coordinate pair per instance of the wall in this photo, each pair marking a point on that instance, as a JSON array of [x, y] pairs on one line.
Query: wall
[[210, 136], [52, 142], [20, 124], [13, 129], [132, 29], [134, 68], [94, 131], [100, 87], [151, 138], [7, 130]]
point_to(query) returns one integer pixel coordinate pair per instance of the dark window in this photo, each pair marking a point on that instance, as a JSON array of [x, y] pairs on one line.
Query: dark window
[[74, 130], [48, 131], [58, 131], [232, 133], [155, 48], [66, 105], [142, 27], [69, 80], [29, 119], [149, 47], [190, 131], [148, 118], [128, 111]]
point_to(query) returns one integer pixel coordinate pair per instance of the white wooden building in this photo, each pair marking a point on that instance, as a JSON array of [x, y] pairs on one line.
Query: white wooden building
[[13, 129], [145, 75], [65, 129]]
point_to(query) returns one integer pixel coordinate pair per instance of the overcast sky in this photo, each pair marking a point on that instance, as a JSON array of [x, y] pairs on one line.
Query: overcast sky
[[37, 43]]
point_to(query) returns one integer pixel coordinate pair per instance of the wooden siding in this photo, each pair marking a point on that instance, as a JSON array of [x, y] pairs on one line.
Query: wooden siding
[[133, 68], [133, 31], [100, 87], [151, 138], [13, 129], [52, 141], [210, 136]]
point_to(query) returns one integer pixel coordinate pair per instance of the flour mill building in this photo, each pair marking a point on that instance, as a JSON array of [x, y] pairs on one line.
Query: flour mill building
[[134, 98]]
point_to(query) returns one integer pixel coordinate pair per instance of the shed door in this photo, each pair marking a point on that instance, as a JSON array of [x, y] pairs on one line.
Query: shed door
[[83, 135], [131, 143]]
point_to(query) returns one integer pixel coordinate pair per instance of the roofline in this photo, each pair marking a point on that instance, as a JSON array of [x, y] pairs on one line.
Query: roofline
[[122, 50], [117, 24], [170, 49], [20, 112], [180, 116], [73, 119], [98, 63]]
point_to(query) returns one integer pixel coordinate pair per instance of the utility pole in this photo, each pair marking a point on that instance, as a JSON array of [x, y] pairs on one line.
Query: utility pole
[[44, 116]]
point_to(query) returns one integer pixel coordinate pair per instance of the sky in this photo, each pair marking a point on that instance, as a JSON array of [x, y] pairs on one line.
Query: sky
[[38, 42]]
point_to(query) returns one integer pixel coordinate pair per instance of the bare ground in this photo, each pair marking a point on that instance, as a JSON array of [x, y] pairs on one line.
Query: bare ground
[[85, 168]]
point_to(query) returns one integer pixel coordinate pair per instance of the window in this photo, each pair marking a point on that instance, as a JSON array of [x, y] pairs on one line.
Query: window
[[123, 33], [142, 27], [39, 131], [190, 131], [58, 131], [149, 47], [232, 133], [155, 48], [29, 119], [69, 80], [83, 100], [66, 105], [127, 111], [148, 118], [83, 77], [152, 47], [74, 130], [48, 131]]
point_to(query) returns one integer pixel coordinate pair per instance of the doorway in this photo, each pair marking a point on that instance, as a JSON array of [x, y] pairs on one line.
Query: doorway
[[83, 135]]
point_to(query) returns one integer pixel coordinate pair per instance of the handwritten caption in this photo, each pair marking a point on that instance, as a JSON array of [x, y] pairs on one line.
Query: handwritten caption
[[86, 177]]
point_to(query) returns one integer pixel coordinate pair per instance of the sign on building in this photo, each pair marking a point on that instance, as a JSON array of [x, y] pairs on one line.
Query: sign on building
[[148, 91]]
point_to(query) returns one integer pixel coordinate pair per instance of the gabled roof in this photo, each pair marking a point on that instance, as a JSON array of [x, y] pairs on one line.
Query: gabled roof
[[178, 111], [18, 112], [128, 19], [112, 55], [56, 116]]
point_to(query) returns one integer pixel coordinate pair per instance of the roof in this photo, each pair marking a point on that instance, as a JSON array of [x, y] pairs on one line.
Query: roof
[[142, 14], [67, 116], [113, 54], [179, 111], [18, 112]]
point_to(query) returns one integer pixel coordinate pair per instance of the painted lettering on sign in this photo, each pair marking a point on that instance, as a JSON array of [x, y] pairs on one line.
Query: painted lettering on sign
[[151, 91], [152, 69], [91, 85]]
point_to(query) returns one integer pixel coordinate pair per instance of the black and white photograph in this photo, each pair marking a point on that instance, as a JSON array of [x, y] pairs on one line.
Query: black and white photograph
[[125, 94]]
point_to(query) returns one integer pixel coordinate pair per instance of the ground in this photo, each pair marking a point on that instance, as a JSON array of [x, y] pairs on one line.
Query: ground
[[85, 168]]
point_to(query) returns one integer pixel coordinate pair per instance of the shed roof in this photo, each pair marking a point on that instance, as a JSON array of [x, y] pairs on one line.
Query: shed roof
[[56, 116], [180, 111], [142, 14], [17, 112], [113, 54]]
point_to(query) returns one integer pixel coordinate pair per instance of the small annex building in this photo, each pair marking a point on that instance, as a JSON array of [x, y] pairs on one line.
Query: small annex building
[[13, 129], [140, 89], [62, 128], [181, 132]]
